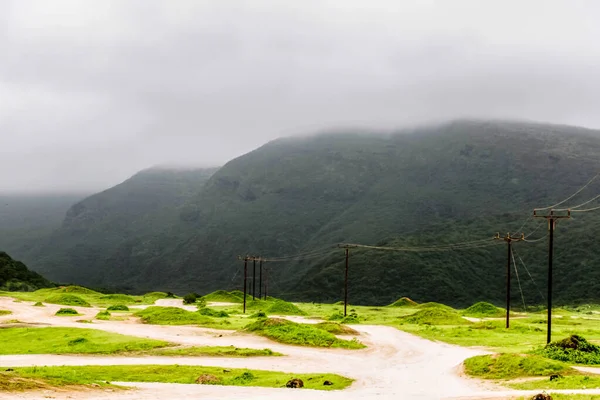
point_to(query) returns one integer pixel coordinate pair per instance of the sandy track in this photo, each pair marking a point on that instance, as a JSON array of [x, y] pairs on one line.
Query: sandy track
[[395, 365]]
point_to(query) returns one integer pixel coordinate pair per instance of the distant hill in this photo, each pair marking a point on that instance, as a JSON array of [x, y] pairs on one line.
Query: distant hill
[[447, 183], [15, 276]]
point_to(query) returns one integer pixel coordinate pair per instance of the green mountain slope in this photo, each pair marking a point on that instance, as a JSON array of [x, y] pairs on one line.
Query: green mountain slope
[[449, 183], [117, 223], [14, 276]]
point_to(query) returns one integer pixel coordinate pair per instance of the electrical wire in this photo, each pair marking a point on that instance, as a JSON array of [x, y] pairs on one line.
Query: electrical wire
[[579, 205], [587, 210], [518, 280], [538, 239], [427, 249], [573, 195], [531, 277]]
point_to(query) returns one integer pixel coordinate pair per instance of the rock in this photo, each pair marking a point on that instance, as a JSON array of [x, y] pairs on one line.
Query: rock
[[542, 396], [9, 370], [295, 383], [207, 379], [327, 383], [555, 377]]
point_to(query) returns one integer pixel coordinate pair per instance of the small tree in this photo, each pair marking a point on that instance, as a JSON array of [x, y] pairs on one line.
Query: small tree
[[189, 298]]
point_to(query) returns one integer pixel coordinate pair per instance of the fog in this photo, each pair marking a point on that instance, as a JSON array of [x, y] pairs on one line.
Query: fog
[[93, 91]]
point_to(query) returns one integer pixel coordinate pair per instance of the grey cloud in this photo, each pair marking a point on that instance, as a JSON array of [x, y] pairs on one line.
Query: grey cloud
[[92, 91]]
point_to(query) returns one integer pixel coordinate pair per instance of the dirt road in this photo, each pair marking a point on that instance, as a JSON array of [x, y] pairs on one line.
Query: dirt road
[[395, 365]]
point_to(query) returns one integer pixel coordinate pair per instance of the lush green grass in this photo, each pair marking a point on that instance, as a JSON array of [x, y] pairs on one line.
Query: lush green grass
[[118, 307], [337, 329], [510, 366], [5, 312], [280, 307], [209, 312], [66, 312], [483, 309], [559, 396], [70, 341], [212, 351], [178, 374], [289, 332], [178, 316], [435, 316], [39, 304], [223, 296], [67, 300], [566, 382], [103, 315], [574, 349], [403, 302]]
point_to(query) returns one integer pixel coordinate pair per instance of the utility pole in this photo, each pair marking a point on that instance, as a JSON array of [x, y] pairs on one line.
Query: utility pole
[[509, 239], [347, 247], [552, 218], [245, 280], [266, 281], [254, 279], [260, 280]]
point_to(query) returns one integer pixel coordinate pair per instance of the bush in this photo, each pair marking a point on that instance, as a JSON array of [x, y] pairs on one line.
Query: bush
[[103, 315], [574, 349], [67, 300], [351, 318], [39, 304], [213, 313], [170, 295], [118, 307], [66, 311], [190, 298], [259, 314], [336, 316], [483, 309]]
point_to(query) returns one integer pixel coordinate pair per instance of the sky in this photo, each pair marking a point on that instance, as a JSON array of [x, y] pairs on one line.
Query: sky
[[92, 91]]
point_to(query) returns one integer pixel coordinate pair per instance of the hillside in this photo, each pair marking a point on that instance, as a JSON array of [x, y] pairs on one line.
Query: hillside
[[454, 182], [14, 276]]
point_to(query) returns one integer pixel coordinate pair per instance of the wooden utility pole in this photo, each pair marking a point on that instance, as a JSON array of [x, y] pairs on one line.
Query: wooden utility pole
[[254, 278], [266, 281], [260, 279], [347, 247], [552, 217], [509, 239], [245, 280]]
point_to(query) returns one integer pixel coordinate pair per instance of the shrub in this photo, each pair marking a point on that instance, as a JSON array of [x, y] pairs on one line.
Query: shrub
[[336, 316], [118, 307], [351, 318], [67, 300], [573, 349], [66, 311], [190, 298], [170, 295], [213, 313], [259, 314], [103, 315], [39, 304]]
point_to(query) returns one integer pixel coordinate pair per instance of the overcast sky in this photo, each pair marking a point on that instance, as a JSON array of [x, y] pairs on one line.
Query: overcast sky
[[93, 91]]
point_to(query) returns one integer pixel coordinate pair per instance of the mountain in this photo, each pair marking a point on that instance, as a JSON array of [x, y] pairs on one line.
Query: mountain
[[428, 186], [14, 276], [27, 218]]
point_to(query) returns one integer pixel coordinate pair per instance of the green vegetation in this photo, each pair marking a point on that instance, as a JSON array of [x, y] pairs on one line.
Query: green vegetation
[[67, 300], [569, 396], [435, 316], [212, 351], [574, 349], [510, 366], [483, 309], [178, 374], [259, 314], [118, 307], [336, 329], [190, 298], [222, 296], [66, 312], [15, 276], [103, 315], [280, 307], [39, 304], [172, 316], [119, 298], [5, 312], [70, 341], [566, 382], [213, 313], [403, 302], [290, 332]]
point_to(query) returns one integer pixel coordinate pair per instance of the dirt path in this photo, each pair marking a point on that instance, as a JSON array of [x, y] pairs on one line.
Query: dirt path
[[395, 364]]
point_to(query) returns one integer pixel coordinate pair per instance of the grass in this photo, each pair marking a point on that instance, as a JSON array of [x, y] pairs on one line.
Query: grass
[[566, 382], [178, 316], [280, 307], [559, 396], [289, 332], [67, 300], [70, 341], [403, 302], [178, 374], [435, 316], [103, 316], [39, 304], [66, 312], [511, 366], [209, 312], [212, 351], [336, 329], [118, 307], [484, 310], [13, 382], [5, 312], [573, 349], [222, 296]]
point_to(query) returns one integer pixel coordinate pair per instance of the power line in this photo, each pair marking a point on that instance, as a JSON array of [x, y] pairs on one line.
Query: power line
[[531, 277], [587, 210], [518, 281], [579, 205], [573, 195]]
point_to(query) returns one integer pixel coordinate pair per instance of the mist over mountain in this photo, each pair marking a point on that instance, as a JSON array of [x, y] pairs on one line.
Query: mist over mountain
[[447, 183]]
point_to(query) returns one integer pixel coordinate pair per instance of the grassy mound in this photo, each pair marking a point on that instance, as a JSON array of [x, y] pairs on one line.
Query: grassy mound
[[223, 296], [259, 314], [337, 329], [213, 313], [75, 289], [5, 312], [119, 298], [573, 349], [39, 304], [289, 332], [435, 316], [67, 300], [118, 307], [103, 315], [281, 307], [66, 311], [484, 310], [157, 295], [403, 302], [510, 366], [172, 316], [435, 305]]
